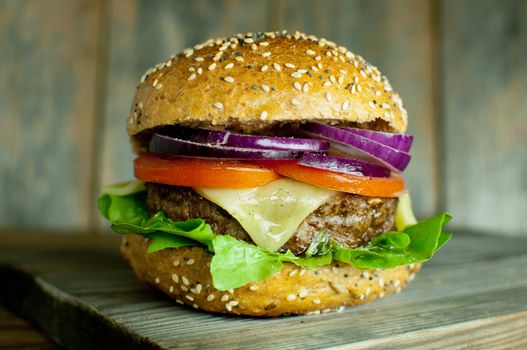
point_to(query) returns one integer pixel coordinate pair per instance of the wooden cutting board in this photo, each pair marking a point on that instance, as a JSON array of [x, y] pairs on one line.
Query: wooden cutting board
[[77, 290]]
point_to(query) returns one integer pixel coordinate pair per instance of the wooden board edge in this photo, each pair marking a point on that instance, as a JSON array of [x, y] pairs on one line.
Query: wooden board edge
[[72, 324], [500, 332]]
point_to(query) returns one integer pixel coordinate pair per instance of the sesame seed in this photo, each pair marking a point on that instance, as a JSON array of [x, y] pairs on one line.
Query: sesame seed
[[199, 59], [340, 80], [277, 67], [332, 78], [189, 297], [159, 86], [314, 68], [328, 96], [302, 71], [168, 63], [263, 115], [191, 69], [345, 105], [228, 307], [359, 88], [305, 88], [140, 105], [372, 105], [318, 58], [289, 65], [212, 66], [230, 290], [337, 287], [179, 301], [353, 89], [311, 52], [253, 288], [367, 291], [195, 306], [411, 277], [264, 43], [157, 280], [378, 93], [200, 70], [233, 302], [295, 102], [175, 278], [248, 40], [363, 73], [266, 54], [229, 65], [185, 281], [296, 75], [303, 293], [291, 297], [229, 79], [381, 282], [316, 301], [362, 297], [183, 288], [198, 288], [210, 297], [218, 105], [365, 274], [171, 289], [381, 295], [264, 68], [327, 83], [293, 272], [239, 58], [302, 272], [155, 83], [265, 88], [190, 261], [297, 86], [225, 298]]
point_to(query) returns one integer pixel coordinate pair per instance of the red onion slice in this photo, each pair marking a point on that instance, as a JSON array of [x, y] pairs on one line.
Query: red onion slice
[[167, 145], [276, 143], [343, 165], [401, 142], [226, 138], [358, 146]]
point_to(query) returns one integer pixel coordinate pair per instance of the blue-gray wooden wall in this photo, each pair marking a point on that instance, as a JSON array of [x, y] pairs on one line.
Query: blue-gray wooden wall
[[68, 70]]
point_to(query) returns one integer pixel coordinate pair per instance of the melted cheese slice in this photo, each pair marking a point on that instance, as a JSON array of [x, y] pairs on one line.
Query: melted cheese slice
[[270, 214]]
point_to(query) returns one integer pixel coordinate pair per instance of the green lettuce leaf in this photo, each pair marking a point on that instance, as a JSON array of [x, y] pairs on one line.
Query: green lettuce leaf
[[128, 213], [236, 263], [391, 249]]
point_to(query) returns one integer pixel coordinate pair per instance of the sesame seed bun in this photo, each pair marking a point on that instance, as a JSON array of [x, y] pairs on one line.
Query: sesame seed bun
[[261, 79], [183, 274]]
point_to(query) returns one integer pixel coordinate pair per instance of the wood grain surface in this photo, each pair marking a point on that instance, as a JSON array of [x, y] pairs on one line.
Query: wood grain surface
[[48, 55], [18, 334], [485, 110], [471, 295]]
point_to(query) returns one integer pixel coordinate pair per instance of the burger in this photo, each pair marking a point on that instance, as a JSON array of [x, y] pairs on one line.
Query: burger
[[269, 179]]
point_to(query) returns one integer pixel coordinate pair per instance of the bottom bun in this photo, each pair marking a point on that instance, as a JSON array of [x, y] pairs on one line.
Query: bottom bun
[[183, 274]]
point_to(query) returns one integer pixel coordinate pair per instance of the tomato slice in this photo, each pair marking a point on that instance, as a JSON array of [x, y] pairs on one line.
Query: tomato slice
[[366, 186], [201, 172]]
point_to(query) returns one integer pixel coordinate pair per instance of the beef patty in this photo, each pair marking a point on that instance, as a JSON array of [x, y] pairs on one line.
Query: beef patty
[[348, 219]]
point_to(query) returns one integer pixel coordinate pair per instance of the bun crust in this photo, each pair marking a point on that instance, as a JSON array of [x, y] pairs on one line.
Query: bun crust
[[183, 274], [261, 79]]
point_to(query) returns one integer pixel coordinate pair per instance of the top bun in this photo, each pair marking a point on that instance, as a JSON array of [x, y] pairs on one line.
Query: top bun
[[274, 77]]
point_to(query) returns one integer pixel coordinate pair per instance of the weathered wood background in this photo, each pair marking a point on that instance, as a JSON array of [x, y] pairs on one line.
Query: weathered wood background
[[68, 70]]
